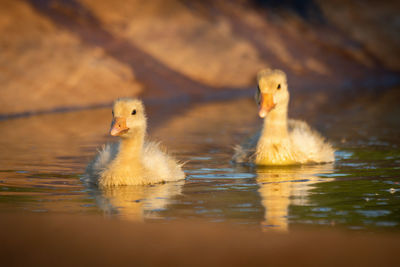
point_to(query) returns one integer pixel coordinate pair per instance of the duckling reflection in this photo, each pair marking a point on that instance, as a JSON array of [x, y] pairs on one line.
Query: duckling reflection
[[136, 202], [283, 186]]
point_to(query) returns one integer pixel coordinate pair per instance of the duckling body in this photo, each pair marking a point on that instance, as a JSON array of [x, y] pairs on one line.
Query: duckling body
[[133, 160], [281, 141]]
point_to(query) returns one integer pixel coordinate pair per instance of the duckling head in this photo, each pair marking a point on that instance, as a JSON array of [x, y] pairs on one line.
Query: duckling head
[[128, 117], [272, 92]]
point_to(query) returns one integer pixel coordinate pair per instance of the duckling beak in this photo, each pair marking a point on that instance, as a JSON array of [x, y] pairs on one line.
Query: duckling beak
[[266, 104], [118, 126]]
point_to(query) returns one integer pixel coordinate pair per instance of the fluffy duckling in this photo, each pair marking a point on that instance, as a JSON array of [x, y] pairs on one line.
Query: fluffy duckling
[[281, 141], [133, 160]]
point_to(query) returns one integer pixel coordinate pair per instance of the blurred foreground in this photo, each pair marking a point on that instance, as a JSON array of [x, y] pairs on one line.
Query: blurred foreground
[[87, 241]]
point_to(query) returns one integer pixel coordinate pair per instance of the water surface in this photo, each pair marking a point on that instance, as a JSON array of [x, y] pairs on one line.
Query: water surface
[[43, 159]]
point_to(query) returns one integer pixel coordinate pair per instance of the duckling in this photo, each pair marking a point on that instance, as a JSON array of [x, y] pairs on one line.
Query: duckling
[[133, 160], [281, 141]]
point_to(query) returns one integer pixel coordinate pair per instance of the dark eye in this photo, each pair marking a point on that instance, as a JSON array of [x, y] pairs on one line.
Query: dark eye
[[279, 86], [134, 112], [258, 95]]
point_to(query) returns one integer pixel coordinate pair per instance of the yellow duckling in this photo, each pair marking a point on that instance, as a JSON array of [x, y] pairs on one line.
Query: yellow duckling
[[133, 160], [281, 141]]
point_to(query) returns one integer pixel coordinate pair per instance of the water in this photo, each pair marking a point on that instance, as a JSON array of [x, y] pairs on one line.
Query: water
[[43, 159]]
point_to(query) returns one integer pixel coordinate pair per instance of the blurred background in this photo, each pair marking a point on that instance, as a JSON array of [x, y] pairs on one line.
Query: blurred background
[[68, 54]]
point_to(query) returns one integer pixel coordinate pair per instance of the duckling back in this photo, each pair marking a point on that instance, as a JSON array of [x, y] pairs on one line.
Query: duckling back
[[159, 165], [153, 166], [308, 145], [302, 146]]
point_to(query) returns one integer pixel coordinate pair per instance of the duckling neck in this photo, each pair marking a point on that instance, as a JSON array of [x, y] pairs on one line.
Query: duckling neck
[[275, 125], [127, 163], [130, 149]]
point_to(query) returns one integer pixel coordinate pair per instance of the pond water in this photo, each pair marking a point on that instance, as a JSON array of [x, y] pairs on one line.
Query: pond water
[[43, 159]]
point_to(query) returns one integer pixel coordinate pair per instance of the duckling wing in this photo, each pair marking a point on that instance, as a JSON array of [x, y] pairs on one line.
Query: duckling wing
[[104, 156], [245, 152], [159, 165], [309, 145]]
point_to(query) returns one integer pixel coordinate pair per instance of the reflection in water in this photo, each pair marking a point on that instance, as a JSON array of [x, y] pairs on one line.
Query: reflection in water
[[282, 186], [136, 203], [39, 170]]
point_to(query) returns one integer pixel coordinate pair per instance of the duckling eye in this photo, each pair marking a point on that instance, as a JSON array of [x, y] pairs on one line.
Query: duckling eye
[[134, 112], [279, 86], [258, 95]]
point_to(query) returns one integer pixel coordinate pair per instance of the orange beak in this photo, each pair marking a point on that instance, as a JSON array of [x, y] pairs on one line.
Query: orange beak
[[118, 126], [266, 104]]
